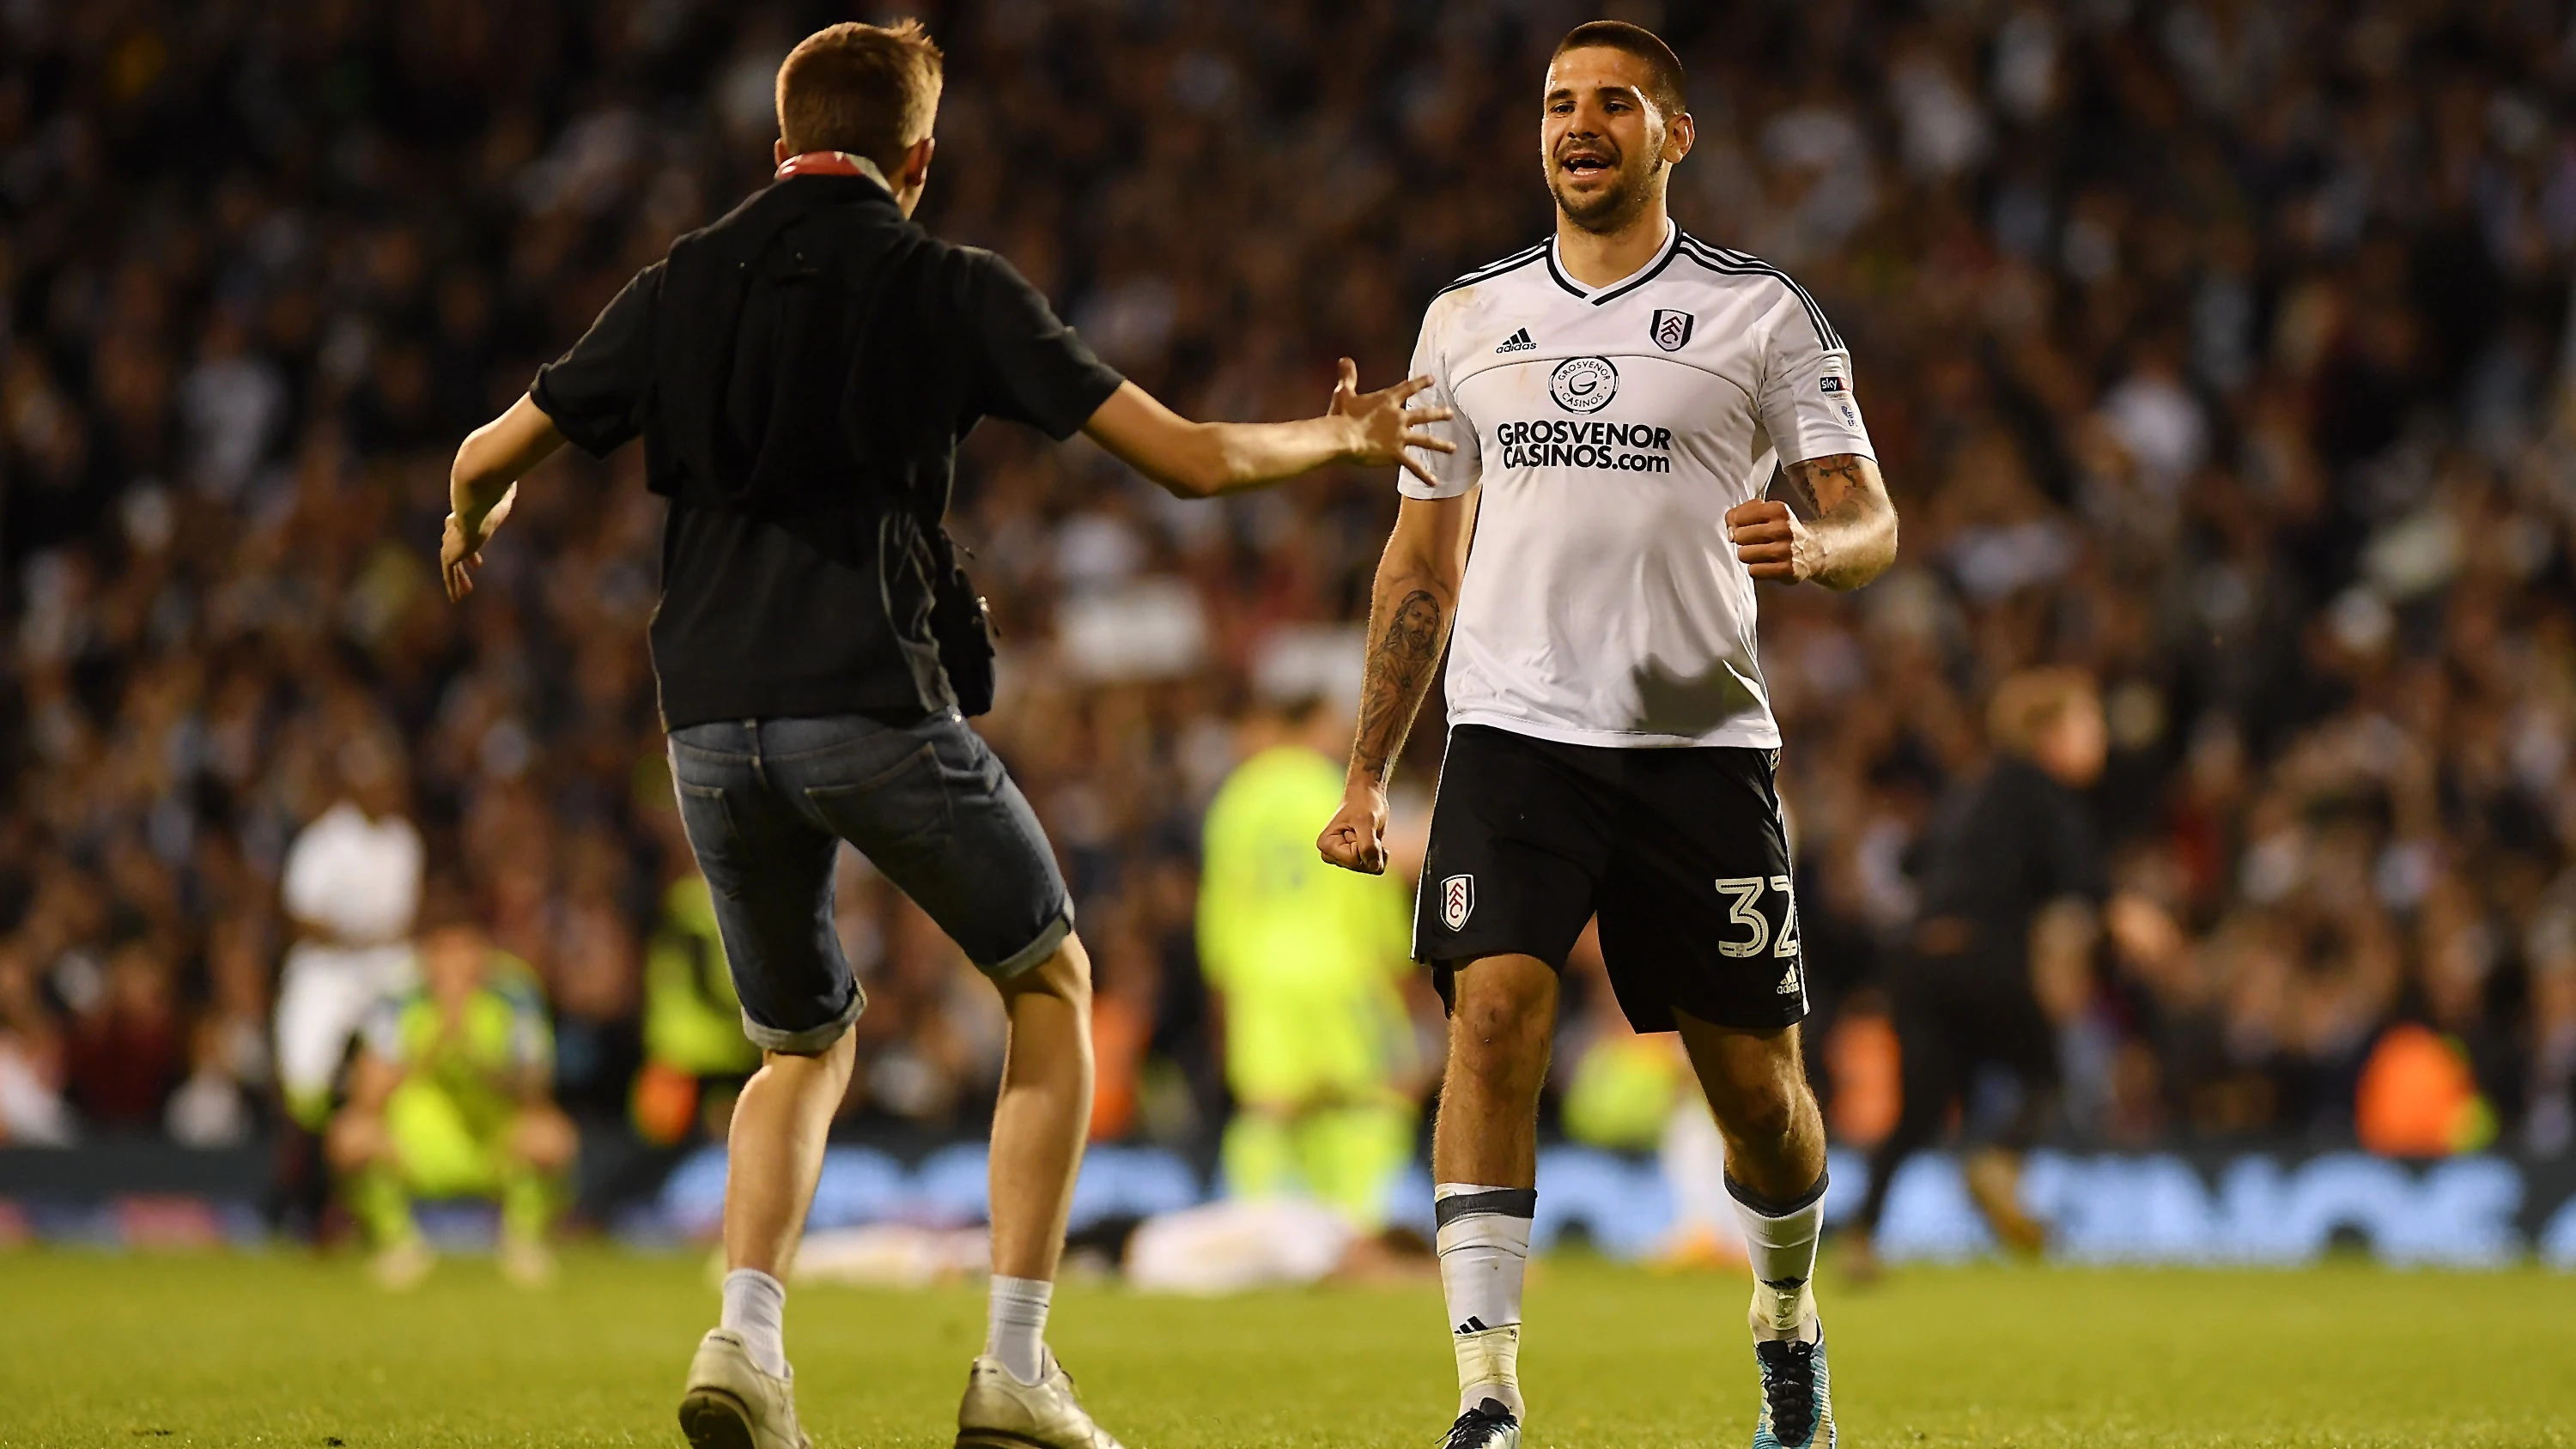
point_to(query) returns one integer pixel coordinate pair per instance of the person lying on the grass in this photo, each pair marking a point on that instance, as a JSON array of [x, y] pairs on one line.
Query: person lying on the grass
[[452, 1097]]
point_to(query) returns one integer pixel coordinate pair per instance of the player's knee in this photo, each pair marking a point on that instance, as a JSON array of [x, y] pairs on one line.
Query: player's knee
[[1498, 1024], [1066, 975], [1767, 1114]]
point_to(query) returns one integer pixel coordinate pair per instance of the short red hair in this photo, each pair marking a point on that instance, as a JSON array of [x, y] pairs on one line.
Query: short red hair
[[870, 90]]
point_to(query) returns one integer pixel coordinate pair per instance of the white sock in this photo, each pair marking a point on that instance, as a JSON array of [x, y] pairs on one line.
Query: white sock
[[1015, 1325], [1781, 1240], [755, 1306], [1484, 1254]]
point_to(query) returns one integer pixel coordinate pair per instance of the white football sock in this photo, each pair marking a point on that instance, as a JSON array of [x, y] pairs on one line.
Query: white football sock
[[755, 1306], [1015, 1325], [1484, 1254], [1780, 1238]]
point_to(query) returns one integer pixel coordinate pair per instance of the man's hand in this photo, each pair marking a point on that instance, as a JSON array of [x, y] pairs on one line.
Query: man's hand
[[1774, 545], [1836, 528], [1387, 426], [485, 482], [1356, 840], [460, 549], [1203, 460]]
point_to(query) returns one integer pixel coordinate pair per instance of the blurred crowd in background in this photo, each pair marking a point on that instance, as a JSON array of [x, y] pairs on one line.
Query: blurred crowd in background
[[2219, 347]]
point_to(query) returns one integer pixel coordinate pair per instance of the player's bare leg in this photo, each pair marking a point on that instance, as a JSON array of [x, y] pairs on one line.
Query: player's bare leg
[[362, 1157], [1017, 1395], [1043, 1113], [1484, 1158], [775, 1153], [740, 1394], [1775, 1169], [537, 1158]]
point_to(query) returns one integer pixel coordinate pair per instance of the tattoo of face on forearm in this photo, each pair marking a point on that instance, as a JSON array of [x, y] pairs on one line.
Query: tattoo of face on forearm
[[1399, 674], [1845, 485]]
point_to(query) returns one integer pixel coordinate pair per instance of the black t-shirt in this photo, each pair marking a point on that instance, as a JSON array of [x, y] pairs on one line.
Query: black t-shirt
[[2001, 848], [812, 599]]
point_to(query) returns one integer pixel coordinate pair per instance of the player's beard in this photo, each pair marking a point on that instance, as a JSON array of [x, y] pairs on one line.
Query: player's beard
[[1614, 206]]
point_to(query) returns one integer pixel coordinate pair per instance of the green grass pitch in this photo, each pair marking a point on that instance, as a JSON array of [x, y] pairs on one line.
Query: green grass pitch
[[289, 1350]]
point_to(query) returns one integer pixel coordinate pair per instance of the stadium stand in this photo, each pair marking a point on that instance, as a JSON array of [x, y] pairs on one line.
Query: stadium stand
[[2220, 348]]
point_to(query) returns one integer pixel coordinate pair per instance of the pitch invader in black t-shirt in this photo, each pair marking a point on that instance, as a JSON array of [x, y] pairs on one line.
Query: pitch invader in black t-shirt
[[801, 371], [2011, 898]]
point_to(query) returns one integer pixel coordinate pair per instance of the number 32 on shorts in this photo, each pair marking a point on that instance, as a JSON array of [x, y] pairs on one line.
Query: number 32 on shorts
[[1744, 908]]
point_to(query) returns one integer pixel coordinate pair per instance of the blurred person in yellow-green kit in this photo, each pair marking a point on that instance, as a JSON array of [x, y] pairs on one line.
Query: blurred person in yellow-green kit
[[1308, 964], [452, 1098]]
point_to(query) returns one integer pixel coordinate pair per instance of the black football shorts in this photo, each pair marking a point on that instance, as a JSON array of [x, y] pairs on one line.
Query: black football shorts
[[1679, 851]]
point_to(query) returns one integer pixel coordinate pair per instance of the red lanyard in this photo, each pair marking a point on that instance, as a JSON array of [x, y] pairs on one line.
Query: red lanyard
[[831, 163]]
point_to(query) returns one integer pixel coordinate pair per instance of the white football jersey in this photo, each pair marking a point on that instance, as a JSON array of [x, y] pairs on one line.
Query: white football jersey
[[1611, 428]]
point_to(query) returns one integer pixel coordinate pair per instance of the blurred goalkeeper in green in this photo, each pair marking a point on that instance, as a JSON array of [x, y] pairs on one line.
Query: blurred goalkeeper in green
[[452, 1098], [1307, 962]]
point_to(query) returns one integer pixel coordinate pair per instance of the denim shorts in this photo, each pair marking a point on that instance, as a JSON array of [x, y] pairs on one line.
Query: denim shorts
[[767, 804]]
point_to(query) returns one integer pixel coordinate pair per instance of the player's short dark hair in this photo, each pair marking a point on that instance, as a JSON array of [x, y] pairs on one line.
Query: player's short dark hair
[[869, 90], [1665, 88]]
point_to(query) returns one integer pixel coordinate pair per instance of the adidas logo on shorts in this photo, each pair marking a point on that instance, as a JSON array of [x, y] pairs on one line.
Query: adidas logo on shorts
[[1790, 985], [1518, 342]]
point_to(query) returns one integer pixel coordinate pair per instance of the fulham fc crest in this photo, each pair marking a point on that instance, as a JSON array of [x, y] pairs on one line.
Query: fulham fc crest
[[1457, 901], [1672, 329]]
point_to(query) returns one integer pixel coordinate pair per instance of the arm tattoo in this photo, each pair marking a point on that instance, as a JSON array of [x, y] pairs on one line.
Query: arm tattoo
[[1853, 520], [1830, 481], [1398, 676]]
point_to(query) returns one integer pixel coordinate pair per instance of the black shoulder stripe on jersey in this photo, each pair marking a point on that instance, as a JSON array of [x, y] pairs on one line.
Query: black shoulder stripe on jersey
[[1826, 336], [1814, 308], [1740, 264], [1491, 270], [1746, 260]]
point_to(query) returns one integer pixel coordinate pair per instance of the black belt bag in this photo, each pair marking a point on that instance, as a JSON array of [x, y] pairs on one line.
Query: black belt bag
[[962, 626]]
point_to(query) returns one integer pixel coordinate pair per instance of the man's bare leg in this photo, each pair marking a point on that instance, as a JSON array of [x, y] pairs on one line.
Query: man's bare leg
[[1757, 1086], [1039, 1125], [1484, 1159], [1016, 1396], [774, 1155], [1775, 1169]]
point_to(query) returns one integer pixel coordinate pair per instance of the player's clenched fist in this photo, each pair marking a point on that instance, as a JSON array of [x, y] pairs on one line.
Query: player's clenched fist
[[1773, 545], [1356, 840]]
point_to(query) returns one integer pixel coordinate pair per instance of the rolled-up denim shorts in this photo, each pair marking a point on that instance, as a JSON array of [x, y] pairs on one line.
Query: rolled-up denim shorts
[[767, 804]]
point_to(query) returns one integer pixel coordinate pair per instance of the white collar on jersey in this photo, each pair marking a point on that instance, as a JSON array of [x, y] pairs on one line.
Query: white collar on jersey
[[1597, 295]]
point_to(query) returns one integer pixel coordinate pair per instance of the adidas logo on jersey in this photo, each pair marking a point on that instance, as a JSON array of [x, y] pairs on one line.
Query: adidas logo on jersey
[[1518, 342]]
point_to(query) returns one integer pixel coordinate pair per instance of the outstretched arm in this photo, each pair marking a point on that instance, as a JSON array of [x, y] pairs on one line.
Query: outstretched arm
[[1411, 610], [1845, 540], [1202, 460], [483, 483]]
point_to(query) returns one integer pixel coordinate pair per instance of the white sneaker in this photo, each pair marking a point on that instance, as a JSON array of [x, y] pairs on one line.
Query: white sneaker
[[1000, 1412], [732, 1403]]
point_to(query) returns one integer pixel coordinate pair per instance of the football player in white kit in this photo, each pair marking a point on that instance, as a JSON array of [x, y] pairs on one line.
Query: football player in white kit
[[1624, 396], [351, 886]]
